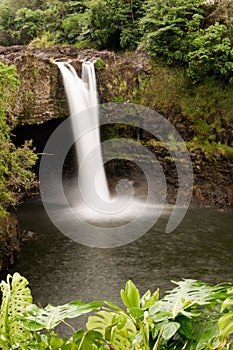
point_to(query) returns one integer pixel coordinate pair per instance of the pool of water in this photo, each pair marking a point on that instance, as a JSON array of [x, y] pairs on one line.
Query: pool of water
[[60, 270]]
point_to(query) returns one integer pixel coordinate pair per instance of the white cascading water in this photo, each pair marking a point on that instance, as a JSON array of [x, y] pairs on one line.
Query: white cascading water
[[82, 97], [93, 217]]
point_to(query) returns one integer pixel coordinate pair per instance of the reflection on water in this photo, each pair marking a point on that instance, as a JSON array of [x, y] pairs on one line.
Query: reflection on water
[[60, 270]]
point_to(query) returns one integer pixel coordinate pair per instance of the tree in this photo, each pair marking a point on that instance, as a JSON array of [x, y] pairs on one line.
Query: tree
[[75, 6], [165, 26], [113, 24], [20, 22], [7, 15], [15, 163], [28, 25], [53, 15], [210, 53], [74, 27], [183, 32]]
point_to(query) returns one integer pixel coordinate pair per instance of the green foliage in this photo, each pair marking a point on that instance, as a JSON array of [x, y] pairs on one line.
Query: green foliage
[[19, 319], [74, 27], [7, 14], [15, 163], [104, 23], [116, 327], [203, 110], [130, 296], [16, 296], [192, 316], [114, 24], [41, 41], [20, 21], [188, 317], [28, 24], [191, 33], [167, 23], [51, 316], [210, 53], [53, 15], [182, 32], [75, 6], [100, 64]]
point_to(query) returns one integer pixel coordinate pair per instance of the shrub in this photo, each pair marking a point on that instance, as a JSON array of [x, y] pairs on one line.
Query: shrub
[[15, 163]]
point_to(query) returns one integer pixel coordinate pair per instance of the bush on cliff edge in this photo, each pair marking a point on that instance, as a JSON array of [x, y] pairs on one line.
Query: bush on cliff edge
[[15, 163]]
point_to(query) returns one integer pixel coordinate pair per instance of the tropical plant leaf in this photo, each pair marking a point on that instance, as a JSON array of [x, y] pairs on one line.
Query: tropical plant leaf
[[225, 325], [195, 307], [130, 296], [230, 345], [51, 316], [228, 302], [136, 312], [187, 294], [184, 299], [149, 299], [115, 307], [16, 296], [169, 330], [206, 335], [100, 321], [90, 340], [117, 328]]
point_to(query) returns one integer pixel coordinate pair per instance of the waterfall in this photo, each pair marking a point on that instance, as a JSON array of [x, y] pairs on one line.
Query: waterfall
[[84, 210], [83, 105]]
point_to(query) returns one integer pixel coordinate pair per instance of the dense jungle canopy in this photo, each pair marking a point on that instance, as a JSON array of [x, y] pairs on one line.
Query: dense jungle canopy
[[192, 33]]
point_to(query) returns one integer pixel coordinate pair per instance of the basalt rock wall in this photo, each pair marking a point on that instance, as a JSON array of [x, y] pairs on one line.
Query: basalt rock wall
[[41, 97]]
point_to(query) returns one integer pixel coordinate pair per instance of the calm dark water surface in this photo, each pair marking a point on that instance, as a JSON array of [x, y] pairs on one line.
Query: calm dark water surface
[[60, 270]]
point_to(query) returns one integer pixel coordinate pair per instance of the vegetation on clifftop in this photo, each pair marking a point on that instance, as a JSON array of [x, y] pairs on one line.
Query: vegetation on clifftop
[[192, 33]]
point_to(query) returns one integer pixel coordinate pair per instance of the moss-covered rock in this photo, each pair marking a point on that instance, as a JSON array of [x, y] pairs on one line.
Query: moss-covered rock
[[41, 95]]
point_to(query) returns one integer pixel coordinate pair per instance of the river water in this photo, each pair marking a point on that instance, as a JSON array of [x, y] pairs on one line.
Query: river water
[[60, 270]]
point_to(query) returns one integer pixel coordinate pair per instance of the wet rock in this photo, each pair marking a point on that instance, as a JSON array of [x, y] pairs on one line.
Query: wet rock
[[28, 235], [9, 242], [41, 95]]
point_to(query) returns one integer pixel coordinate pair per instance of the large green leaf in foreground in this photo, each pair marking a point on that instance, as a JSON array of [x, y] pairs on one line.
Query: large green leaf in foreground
[[51, 316], [16, 296]]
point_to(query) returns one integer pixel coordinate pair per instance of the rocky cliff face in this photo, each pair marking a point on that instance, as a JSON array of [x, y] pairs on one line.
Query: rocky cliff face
[[41, 96]]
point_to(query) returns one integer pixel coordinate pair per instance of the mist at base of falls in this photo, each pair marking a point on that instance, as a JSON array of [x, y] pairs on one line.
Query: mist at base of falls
[[118, 221], [86, 211]]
